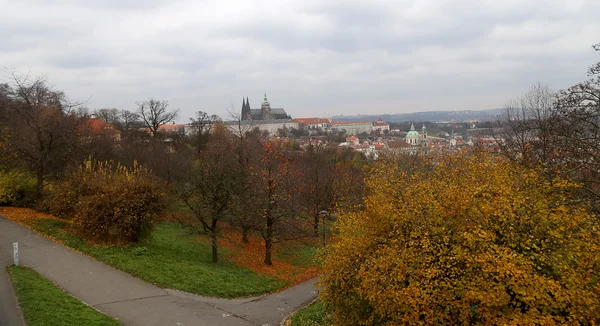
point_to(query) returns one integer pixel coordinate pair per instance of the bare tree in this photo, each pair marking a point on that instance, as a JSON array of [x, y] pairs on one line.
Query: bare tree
[[531, 128], [5, 101], [43, 126], [108, 115], [129, 120], [580, 109], [559, 132], [202, 125], [155, 113]]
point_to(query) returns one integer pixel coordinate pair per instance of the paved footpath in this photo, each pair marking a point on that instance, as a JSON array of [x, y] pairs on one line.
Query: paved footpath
[[134, 301], [10, 314]]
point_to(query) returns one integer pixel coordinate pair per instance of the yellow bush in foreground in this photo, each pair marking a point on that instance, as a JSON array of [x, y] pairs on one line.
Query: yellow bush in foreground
[[108, 202], [467, 239]]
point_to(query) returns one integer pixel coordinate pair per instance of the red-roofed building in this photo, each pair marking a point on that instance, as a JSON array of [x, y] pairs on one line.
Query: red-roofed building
[[99, 127], [172, 129], [312, 123], [381, 125], [352, 140]]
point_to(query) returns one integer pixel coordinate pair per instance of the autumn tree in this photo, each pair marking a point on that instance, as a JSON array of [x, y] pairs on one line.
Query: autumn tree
[[273, 185], [212, 185], [471, 239], [248, 144], [318, 168], [42, 126]]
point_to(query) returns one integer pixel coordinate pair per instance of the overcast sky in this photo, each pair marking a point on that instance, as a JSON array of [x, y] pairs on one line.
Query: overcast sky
[[312, 57]]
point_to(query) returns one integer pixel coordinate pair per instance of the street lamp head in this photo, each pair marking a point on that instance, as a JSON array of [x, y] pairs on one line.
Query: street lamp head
[[323, 212]]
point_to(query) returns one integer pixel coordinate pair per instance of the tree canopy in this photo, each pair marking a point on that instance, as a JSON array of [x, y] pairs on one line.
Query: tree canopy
[[466, 239]]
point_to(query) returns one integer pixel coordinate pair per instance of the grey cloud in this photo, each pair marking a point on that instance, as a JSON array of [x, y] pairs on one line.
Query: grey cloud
[[311, 56], [81, 59], [108, 4]]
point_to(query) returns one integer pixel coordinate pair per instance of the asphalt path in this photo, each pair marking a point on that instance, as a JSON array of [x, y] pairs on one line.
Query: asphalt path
[[131, 300], [10, 314]]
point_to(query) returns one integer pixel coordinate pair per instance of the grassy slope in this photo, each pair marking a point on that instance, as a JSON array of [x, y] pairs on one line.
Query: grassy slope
[[301, 255], [313, 315], [44, 304], [171, 258]]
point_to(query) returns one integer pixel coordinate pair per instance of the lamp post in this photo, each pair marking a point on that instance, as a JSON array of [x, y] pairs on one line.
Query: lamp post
[[323, 214]]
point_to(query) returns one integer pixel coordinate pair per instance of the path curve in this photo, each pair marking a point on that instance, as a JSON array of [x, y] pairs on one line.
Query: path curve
[[135, 302]]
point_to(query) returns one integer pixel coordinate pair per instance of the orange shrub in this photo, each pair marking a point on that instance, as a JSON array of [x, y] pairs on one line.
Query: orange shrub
[[109, 202], [470, 239]]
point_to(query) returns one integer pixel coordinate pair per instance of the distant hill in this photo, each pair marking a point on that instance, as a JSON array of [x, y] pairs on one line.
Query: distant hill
[[433, 116]]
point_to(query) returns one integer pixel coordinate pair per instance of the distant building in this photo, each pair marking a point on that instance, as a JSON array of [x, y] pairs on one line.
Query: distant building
[[413, 137], [99, 127], [264, 113], [270, 126], [313, 123], [381, 125], [172, 129], [352, 140], [352, 127]]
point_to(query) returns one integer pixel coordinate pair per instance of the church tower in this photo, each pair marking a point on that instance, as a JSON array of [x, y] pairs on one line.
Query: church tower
[[265, 109], [246, 113], [424, 135]]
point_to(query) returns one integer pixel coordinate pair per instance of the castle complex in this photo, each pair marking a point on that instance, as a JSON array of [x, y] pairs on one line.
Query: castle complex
[[264, 113]]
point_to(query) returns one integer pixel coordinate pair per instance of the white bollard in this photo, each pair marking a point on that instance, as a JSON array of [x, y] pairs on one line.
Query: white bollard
[[16, 252]]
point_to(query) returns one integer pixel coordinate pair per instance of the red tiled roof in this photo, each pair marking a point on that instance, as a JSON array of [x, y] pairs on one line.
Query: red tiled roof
[[171, 127], [311, 120], [341, 123], [380, 123], [97, 126], [398, 144]]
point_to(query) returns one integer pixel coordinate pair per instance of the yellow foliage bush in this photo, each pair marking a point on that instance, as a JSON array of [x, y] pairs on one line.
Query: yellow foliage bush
[[16, 188], [467, 239], [108, 202]]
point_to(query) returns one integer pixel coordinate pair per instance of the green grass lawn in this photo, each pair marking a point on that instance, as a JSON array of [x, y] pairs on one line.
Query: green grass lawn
[[173, 258], [302, 255], [312, 315], [44, 304]]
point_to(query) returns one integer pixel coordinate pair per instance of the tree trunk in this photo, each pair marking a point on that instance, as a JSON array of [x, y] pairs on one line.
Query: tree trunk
[[316, 225], [268, 245], [40, 179], [268, 240], [245, 235], [213, 240]]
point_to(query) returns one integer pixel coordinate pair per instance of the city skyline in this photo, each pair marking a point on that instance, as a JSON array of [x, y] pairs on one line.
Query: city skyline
[[313, 59]]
